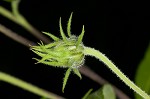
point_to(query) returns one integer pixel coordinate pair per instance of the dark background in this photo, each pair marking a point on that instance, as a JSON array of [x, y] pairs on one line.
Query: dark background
[[120, 29]]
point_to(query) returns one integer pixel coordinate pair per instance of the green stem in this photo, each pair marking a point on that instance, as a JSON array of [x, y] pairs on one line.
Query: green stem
[[15, 7], [113, 67], [19, 19], [6, 13], [27, 86]]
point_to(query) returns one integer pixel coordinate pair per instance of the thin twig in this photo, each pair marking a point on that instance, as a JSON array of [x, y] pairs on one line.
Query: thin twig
[[15, 36]]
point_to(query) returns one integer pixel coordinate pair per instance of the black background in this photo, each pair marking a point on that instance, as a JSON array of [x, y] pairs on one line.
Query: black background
[[120, 29]]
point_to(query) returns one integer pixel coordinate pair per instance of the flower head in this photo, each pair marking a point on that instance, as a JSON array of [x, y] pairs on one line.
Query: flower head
[[66, 52]]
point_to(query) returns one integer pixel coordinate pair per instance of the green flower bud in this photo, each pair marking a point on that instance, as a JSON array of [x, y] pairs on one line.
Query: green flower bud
[[61, 53], [67, 52]]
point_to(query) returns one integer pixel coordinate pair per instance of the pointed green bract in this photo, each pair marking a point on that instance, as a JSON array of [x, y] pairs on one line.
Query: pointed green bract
[[51, 45], [38, 53], [66, 78], [69, 25], [42, 47], [80, 37], [54, 64], [52, 36], [76, 71], [61, 31], [45, 58]]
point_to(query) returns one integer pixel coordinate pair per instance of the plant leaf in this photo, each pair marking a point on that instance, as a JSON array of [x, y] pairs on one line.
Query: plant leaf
[[142, 78], [106, 92]]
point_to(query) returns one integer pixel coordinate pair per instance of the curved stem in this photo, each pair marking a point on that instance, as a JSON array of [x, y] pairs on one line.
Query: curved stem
[[115, 69], [27, 86]]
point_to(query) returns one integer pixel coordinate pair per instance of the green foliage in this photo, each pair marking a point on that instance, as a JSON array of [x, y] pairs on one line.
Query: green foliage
[[66, 52], [106, 92], [143, 73], [69, 52]]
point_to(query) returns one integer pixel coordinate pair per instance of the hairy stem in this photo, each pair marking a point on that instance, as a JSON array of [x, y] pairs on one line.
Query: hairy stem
[[27, 86], [113, 67]]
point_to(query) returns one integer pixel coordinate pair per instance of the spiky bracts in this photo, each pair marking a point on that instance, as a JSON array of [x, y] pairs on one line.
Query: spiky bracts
[[64, 52]]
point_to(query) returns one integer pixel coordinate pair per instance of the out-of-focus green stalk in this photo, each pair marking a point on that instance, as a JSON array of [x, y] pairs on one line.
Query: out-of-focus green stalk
[[27, 86]]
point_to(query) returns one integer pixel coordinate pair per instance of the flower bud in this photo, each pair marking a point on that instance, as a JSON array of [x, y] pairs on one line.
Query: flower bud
[[61, 53], [67, 52]]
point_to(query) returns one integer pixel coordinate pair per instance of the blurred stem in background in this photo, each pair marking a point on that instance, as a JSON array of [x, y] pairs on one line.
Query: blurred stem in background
[[17, 82], [27, 86], [14, 35]]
